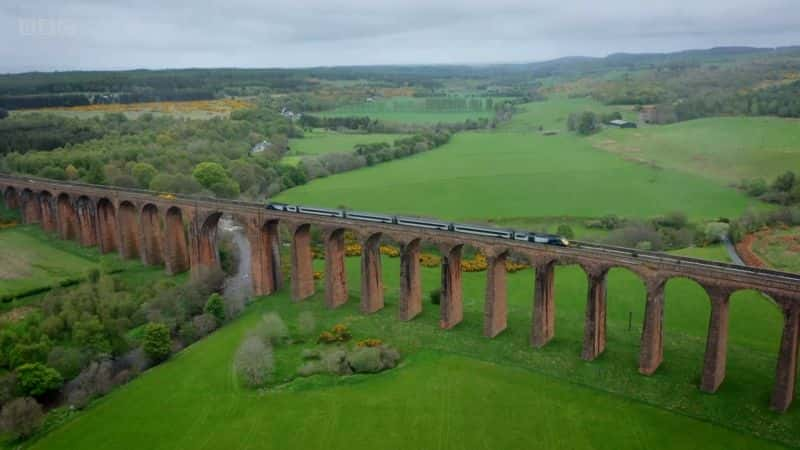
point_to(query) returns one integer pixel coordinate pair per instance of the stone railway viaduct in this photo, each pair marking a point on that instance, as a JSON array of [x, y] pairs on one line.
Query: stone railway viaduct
[[180, 233]]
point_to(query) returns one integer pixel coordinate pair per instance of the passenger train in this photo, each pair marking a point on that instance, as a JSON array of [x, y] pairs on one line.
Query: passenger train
[[431, 224]]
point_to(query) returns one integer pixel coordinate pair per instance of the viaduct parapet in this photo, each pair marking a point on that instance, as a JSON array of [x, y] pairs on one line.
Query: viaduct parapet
[[179, 233]]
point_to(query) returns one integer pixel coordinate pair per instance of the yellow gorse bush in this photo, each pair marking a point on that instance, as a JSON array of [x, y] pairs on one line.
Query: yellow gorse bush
[[388, 250], [372, 342], [352, 250], [428, 260]]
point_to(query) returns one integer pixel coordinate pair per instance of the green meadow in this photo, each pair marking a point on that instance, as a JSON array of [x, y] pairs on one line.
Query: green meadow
[[406, 110], [33, 261], [504, 175], [725, 149], [456, 389]]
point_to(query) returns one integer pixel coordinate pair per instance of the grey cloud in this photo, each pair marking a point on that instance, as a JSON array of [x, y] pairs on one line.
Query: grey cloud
[[87, 34]]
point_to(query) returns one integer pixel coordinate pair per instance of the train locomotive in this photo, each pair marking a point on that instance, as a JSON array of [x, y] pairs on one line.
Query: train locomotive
[[430, 224]]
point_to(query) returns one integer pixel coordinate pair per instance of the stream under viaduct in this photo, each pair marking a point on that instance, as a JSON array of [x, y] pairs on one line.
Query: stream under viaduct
[[180, 233]]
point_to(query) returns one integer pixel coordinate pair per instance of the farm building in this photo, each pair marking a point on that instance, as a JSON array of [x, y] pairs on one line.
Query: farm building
[[657, 114], [621, 124]]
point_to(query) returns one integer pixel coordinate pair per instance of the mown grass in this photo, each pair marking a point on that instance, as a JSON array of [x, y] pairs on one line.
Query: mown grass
[[502, 175], [455, 388], [726, 149]]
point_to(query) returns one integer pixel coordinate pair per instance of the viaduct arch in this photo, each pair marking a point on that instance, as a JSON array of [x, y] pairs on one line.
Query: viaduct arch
[[179, 232]]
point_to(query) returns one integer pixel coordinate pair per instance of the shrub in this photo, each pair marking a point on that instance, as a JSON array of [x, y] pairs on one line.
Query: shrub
[[309, 368], [341, 332], [95, 380], [36, 379], [365, 360], [272, 329], [352, 250], [306, 324], [369, 343], [428, 260], [336, 362], [204, 324], [156, 341], [436, 296], [372, 359], [675, 219], [216, 307], [254, 361], [21, 417], [79, 398], [390, 251], [8, 387], [389, 357], [611, 222], [326, 337]]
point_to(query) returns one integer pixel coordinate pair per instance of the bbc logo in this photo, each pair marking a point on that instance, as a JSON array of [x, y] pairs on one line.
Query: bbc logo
[[46, 27]]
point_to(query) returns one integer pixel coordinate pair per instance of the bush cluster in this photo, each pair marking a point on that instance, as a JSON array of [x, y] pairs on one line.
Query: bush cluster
[[339, 333]]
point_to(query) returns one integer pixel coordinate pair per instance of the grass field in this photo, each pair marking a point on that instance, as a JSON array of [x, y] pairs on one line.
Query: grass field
[[405, 110], [32, 260], [320, 141], [457, 389], [503, 175], [780, 248], [195, 109], [726, 149], [552, 114]]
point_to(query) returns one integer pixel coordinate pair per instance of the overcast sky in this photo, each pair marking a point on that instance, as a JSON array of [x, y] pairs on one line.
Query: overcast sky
[[124, 34]]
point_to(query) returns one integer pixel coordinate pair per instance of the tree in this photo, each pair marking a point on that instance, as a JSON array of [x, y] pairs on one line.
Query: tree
[[756, 187], [784, 182], [21, 417], [90, 334], [587, 124], [254, 361], [36, 379], [156, 341], [71, 172], [225, 189], [565, 230], [272, 329], [143, 173], [209, 174], [216, 307]]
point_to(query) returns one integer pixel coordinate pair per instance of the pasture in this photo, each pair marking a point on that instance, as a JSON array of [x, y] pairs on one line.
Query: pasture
[[457, 389], [724, 149], [511, 175], [410, 110], [32, 261]]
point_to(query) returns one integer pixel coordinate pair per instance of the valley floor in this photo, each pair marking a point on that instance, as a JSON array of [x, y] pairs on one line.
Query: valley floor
[[456, 389]]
